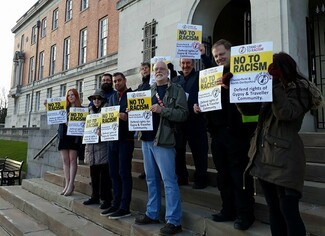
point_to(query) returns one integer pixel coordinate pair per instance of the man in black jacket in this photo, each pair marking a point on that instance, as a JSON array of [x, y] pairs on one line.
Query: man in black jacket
[[230, 139], [193, 131]]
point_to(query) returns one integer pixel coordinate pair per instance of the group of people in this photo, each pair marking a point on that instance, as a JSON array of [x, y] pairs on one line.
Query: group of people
[[253, 139]]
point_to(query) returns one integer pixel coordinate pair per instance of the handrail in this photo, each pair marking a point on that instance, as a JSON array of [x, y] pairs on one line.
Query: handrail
[[45, 147]]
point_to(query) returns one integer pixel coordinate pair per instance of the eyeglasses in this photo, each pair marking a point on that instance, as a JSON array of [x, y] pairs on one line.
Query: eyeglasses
[[97, 98]]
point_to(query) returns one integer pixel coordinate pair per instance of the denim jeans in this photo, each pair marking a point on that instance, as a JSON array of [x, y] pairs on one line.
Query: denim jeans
[[120, 162], [159, 163]]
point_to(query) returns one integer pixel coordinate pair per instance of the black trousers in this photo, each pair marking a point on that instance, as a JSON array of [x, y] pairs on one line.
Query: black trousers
[[195, 135], [229, 151], [283, 204], [101, 182]]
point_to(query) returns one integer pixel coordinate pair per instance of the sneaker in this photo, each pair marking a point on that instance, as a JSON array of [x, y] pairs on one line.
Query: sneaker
[[145, 220], [119, 214], [109, 211], [105, 205], [91, 201], [170, 229], [242, 223]]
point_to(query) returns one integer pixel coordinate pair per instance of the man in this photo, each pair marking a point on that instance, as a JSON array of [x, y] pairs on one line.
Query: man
[[169, 106], [145, 73], [193, 131], [120, 154], [229, 146]]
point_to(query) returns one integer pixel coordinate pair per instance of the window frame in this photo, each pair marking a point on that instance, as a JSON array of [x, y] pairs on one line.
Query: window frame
[[68, 10], [52, 59], [55, 19], [43, 27], [66, 53], [103, 37], [149, 40], [31, 70], [83, 46]]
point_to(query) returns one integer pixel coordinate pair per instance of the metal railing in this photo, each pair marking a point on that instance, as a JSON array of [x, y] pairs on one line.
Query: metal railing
[[46, 146]]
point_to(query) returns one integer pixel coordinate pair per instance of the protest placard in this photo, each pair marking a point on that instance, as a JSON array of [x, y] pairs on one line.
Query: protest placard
[[209, 92], [56, 110], [251, 82], [139, 115], [77, 118], [110, 122], [153, 61], [189, 38], [92, 124]]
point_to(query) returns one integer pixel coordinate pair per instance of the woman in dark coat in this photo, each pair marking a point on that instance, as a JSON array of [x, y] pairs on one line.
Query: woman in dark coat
[[276, 154]]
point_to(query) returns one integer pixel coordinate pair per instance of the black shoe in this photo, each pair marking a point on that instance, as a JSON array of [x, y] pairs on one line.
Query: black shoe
[[105, 205], [119, 214], [243, 223], [220, 217], [145, 220], [91, 201], [199, 186], [109, 211], [142, 176], [170, 229]]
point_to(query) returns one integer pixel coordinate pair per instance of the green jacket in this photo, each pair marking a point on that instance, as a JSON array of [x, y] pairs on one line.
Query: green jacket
[[175, 111], [277, 152]]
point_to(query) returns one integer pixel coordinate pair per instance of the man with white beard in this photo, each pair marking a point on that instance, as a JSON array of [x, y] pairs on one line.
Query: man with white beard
[[169, 106]]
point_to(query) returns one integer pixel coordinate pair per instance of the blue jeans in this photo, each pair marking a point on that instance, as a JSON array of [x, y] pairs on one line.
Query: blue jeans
[[120, 162], [159, 163]]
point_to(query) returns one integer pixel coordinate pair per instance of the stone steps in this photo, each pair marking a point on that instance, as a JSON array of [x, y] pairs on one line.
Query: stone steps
[[15, 222], [34, 211], [196, 219]]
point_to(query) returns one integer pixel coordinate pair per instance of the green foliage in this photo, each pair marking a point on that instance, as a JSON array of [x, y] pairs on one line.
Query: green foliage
[[15, 150]]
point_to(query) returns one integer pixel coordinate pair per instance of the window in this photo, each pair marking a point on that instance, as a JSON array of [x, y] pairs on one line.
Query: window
[[16, 108], [63, 90], [27, 104], [79, 85], [41, 65], [43, 28], [49, 93], [31, 70], [33, 36], [83, 47], [84, 5], [149, 40], [55, 19], [37, 100], [22, 43], [52, 59], [68, 10], [66, 54], [98, 81], [102, 43]]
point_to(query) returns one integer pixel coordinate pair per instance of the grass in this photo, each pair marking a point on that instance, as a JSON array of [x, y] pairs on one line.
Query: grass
[[15, 150]]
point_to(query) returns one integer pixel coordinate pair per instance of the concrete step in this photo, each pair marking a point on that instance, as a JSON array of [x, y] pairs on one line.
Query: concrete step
[[4, 232], [209, 198], [17, 223], [58, 219], [73, 203], [196, 219], [312, 139]]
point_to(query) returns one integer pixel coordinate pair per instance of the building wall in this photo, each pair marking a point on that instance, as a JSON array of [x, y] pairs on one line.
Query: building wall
[[88, 72]]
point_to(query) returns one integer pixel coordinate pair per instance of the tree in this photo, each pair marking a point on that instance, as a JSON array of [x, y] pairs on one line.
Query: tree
[[3, 105]]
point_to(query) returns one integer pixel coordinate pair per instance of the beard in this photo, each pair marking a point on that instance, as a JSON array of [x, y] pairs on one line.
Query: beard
[[107, 87], [160, 77]]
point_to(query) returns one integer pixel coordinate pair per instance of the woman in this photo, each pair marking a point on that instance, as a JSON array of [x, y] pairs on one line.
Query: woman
[[69, 145], [97, 157], [276, 154]]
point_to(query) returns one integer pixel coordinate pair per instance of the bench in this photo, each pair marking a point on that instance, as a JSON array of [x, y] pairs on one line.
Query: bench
[[10, 171]]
